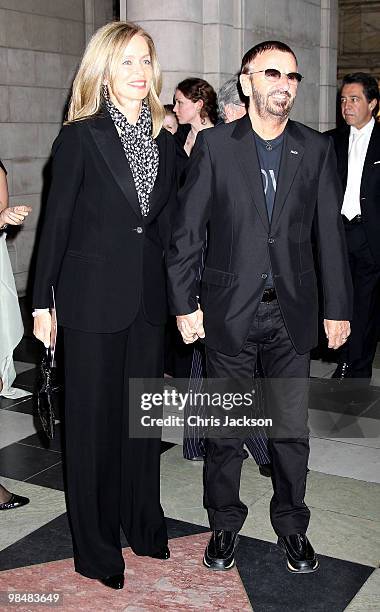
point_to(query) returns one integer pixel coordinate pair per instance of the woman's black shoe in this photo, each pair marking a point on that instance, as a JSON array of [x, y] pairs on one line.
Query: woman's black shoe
[[164, 553], [16, 501], [113, 582]]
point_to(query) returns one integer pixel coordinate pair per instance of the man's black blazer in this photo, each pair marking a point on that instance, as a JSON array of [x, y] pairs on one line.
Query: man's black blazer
[[102, 256], [370, 184], [224, 192]]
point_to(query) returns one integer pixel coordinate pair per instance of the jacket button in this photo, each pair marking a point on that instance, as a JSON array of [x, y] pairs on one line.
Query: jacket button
[[139, 230], [264, 275], [271, 240]]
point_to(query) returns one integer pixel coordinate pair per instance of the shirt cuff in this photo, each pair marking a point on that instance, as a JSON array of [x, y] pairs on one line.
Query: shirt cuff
[[38, 311]]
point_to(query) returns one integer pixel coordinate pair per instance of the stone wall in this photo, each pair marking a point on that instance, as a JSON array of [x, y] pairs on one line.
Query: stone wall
[[41, 42], [359, 37]]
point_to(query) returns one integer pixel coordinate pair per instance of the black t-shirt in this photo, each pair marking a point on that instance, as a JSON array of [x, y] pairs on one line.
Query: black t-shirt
[[269, 154]]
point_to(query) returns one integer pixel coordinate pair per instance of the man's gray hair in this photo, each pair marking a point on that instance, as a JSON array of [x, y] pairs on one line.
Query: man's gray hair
[[228, 94]]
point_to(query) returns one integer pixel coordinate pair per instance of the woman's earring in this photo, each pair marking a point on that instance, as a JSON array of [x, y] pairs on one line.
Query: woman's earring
[[203, 121], [105, 91]]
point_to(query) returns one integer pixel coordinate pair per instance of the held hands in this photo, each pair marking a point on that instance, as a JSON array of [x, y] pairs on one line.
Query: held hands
[[42, 327], [191, 326], [337, 332], [14, 215]]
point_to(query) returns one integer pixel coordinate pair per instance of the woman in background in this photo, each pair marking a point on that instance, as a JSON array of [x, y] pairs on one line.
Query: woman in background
[[196, 109], [11, 327], [102, 249]]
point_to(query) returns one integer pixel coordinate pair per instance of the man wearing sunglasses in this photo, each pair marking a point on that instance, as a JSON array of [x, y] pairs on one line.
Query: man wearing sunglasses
[[259, 184]]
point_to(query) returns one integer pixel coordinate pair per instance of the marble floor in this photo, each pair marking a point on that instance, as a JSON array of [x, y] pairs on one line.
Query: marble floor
[[343, 494]]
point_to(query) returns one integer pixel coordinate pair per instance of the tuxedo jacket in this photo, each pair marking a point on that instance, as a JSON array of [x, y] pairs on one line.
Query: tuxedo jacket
[[103, 258], [224, 193], [370, 183]]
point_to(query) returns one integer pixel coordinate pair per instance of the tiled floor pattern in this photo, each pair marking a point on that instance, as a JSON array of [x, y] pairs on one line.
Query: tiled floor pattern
[[182, 583], [150, 584], [343, 494]]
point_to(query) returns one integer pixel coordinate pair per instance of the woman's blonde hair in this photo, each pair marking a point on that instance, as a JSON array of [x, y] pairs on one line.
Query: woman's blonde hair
[[102, 57]]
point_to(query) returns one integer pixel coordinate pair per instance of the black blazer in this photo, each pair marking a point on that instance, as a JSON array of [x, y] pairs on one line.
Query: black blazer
[[101, 255], [224, 191], [370, 184]]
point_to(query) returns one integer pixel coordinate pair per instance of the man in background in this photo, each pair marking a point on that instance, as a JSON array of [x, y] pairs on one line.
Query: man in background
[[230, 103], [357, 146]]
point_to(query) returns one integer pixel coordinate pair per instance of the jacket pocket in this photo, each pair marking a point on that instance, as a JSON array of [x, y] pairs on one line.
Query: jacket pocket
[[211, 276], [84, 257]]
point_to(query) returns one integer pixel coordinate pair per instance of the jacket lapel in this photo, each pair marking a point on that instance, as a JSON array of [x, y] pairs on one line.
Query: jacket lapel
[[158, 190], [341, 148], [108, 142], [292, 153], [248, 162]]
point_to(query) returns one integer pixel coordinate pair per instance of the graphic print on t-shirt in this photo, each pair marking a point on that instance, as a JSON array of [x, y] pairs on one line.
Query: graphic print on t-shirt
[[269, 154]]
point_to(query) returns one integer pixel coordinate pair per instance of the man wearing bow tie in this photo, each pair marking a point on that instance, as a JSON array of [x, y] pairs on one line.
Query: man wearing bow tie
[[357, 146], [259, 184]]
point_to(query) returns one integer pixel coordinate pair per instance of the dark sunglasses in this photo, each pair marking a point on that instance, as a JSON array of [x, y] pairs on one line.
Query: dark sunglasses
[[272, 74]]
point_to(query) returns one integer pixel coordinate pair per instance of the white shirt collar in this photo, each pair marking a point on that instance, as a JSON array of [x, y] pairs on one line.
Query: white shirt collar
[[366, 129]]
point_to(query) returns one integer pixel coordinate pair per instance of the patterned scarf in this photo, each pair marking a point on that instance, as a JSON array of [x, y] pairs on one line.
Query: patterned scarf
[[140, 149]]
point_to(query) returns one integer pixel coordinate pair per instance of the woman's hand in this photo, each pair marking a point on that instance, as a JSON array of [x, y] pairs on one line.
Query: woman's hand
[[42, 327], [14, 215]]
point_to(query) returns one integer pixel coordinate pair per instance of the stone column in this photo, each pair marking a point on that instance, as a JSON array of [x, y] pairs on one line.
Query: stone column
[[177, 30], [328, 64], [222, 40], [359, 36], [208, 38]]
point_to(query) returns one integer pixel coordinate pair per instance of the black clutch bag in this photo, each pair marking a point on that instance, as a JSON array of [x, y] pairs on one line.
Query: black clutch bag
[[46, 387], [45, 395]]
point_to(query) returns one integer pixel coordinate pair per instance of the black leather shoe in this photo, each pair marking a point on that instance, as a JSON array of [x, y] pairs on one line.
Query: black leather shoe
[[219, 553], [164, 553], [300, 554], [342, 371], [16, 501], [113, 582]]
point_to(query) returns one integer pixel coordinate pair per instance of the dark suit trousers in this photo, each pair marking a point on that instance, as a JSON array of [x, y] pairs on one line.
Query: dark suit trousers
[[359, 351], [289, 450], [112, 480]]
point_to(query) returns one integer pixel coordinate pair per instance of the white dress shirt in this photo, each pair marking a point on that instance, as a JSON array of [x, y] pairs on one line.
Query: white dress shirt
[[357, 151]]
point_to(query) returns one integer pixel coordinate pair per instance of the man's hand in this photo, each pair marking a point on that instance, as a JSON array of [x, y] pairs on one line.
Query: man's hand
[[191, 326], [337, 332], [14, 215], [42, 327]]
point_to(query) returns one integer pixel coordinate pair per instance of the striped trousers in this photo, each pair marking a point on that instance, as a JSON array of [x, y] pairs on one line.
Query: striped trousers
[[194, 437]]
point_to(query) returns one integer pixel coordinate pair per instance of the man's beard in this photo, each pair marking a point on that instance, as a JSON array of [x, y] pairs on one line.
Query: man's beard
[[264, 106]]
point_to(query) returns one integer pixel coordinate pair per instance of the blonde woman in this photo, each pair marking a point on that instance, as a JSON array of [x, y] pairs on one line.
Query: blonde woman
[[102, 250]]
